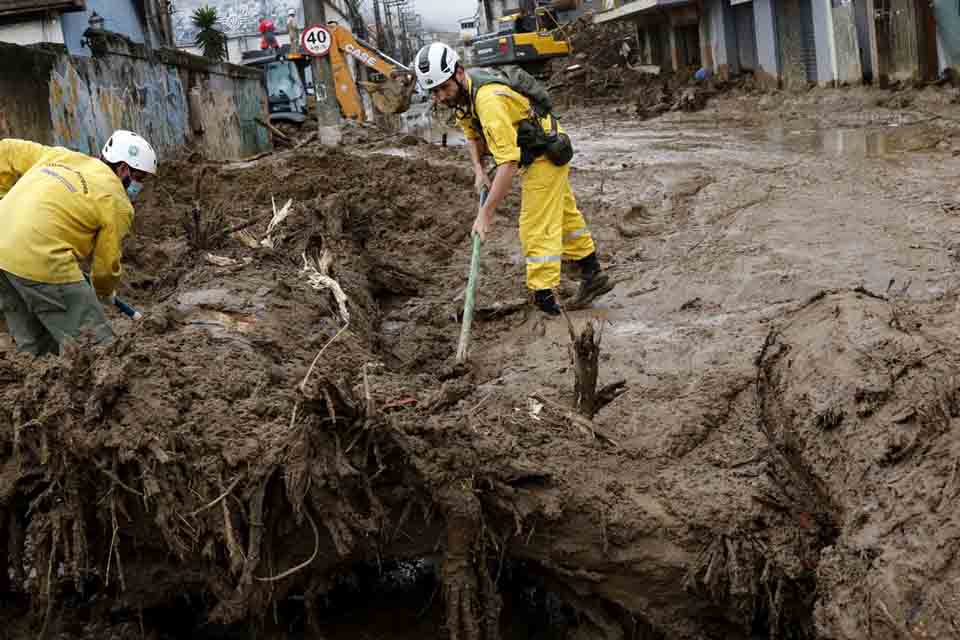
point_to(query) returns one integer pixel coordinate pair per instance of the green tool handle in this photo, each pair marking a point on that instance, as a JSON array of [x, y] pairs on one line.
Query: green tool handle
[[470, 296]]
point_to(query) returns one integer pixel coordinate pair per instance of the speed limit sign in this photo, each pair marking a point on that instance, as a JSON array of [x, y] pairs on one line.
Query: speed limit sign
[[316, 40]]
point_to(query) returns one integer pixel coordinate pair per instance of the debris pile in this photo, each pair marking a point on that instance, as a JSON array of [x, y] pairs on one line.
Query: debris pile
[[599, 71], [286, 420]]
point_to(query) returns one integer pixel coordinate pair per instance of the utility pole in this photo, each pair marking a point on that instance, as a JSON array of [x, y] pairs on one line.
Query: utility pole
[[391, 38], [324, 87], [380, 41], [405, 43]]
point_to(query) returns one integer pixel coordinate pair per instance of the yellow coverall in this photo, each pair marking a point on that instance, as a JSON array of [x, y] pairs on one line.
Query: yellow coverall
[[551, 227], [58, 206]]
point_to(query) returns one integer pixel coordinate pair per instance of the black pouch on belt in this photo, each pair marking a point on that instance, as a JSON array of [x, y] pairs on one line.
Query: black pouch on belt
[[532, 141], [560, 150], [559, 147], [535, 142]]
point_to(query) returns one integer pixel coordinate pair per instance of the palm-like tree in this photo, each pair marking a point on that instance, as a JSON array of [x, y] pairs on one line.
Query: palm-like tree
[[212, 41]]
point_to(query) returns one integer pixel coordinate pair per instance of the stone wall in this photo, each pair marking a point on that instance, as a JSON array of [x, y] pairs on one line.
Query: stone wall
[[170, 97]]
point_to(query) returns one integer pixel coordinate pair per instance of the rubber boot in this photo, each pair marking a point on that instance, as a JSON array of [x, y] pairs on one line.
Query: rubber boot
[[546, 302], [593, 281]]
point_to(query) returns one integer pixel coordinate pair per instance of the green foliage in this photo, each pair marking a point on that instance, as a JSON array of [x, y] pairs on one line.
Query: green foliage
[[212, 41]]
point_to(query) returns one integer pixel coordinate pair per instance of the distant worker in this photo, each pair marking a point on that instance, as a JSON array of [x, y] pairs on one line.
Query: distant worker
[[293, 31], [267, 29], [491, 114], [58, 207]]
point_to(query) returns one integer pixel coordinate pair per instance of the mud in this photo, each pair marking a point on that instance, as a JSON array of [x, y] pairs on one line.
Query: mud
[[783, 463]]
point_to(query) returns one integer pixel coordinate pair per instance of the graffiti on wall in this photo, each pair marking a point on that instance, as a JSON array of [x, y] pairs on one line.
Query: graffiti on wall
[[77, 102], [84, 111], [229, 116], [237, 17]]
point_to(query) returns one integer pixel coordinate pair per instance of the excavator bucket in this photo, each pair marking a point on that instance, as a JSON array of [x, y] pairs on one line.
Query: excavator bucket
[[392, 95]]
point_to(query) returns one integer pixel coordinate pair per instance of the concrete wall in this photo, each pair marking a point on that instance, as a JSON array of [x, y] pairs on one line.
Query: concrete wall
[[33, 31], [846, 45], [789, 36], [862, 23], [77, 101], [948, 32], [768, 65], [25, 93], [722, 38], [904, 50], [823, 35], [119, 16], [706, 47]]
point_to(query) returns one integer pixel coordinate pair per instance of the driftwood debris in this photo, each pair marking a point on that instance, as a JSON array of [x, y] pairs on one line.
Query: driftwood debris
[[585, 354], [272, 129]]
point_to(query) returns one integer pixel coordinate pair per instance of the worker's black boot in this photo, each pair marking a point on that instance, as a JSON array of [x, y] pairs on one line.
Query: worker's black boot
[[546, 302], [593, 281]]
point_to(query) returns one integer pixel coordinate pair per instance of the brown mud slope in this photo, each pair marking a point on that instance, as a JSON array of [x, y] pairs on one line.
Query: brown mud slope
[[203, 459]]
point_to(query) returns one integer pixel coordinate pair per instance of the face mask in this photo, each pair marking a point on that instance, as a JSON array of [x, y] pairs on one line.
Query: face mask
[[133, 189]]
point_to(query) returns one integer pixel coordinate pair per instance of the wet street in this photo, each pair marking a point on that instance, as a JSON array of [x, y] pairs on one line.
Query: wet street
[[713, 229]]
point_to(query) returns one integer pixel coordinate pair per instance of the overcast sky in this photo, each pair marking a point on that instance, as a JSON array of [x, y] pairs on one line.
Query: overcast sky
[[443, 14]]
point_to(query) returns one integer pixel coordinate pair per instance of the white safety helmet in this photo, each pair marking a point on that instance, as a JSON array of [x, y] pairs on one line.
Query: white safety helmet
[[126, 146], [292, 12], [435, 64]]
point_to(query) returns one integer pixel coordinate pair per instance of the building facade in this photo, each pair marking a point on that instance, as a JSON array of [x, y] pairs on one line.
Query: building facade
[[798, 43], [27, 22], [239, 20]]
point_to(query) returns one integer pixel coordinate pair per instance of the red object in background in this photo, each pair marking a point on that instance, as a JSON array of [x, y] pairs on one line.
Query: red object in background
[[269, 40]]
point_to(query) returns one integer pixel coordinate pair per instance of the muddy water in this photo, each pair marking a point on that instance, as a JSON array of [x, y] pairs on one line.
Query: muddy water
[[738, 225], [845, 142], [420, 121]]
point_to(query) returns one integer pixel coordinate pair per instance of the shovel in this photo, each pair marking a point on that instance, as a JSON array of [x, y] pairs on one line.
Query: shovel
[[468, 301]]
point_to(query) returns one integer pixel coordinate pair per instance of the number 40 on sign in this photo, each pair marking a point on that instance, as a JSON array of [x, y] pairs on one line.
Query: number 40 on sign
[[316, 40]]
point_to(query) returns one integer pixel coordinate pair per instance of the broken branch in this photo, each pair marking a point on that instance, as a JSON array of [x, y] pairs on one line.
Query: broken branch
[[272, 129]]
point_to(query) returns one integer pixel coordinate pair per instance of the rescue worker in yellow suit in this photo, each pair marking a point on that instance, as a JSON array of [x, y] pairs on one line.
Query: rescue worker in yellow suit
[[59, 206], [551, 226]]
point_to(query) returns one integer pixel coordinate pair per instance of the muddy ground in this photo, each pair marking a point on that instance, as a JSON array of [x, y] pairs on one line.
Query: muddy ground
[[255, 458]]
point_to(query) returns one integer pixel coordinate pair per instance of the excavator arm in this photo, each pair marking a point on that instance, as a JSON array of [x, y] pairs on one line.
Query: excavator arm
[[390, 96]]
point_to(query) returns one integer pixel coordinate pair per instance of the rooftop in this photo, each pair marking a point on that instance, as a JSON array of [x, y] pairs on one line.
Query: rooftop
[[16, 7]]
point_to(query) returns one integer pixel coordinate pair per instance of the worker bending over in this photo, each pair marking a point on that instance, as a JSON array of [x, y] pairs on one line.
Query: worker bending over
[[59, 206], [492, 115]]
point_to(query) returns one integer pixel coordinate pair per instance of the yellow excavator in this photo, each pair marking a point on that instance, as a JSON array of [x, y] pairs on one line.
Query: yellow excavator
[[284, 73], [528, 37], [391, 92]]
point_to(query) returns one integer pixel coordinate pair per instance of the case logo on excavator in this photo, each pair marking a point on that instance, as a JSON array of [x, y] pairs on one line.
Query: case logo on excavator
[[361, 55]]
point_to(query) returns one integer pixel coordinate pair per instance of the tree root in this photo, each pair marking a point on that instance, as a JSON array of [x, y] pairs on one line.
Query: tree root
[[5, 550], [16, 538], [231, 610], [460, 577]]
